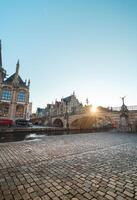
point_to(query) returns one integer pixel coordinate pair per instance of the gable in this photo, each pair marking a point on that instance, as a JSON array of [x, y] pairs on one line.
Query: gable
[[11, 79]]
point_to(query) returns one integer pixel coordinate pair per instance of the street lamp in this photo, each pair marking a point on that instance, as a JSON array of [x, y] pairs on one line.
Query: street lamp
[[67, 116]]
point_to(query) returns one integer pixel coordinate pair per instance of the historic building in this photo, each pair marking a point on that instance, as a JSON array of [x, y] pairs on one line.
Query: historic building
[[14, 94], [71, 105], [40, 112], [68, 105]]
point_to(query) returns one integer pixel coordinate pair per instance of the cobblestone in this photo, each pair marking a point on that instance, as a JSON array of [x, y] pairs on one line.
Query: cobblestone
[[72, 167]]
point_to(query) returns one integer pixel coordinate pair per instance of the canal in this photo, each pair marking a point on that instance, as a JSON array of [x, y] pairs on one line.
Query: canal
[[27, 136], [14, 137]]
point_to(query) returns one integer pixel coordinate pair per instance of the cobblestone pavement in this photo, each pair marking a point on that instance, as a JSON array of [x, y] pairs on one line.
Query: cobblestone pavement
[[78, 167]]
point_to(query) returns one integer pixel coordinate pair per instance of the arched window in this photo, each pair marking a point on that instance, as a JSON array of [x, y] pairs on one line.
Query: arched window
[[21, 96], [6, 94]]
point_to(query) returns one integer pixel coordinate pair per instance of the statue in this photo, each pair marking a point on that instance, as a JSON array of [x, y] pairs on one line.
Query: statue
[[124, 116], [123, 99]]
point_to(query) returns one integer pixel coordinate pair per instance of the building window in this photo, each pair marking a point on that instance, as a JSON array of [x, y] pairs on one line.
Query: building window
[[19, 111], [21, 96], [4, 110], [6, 95]]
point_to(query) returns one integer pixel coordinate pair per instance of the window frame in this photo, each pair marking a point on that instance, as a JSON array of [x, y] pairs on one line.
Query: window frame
[[21, 96], [6, 94]]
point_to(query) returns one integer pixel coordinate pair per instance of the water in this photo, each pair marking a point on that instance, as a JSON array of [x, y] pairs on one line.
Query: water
[[26, 136], [14, 137]]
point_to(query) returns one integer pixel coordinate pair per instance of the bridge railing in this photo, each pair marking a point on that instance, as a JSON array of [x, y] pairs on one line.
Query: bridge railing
[[130, 108], [64, 114], [109, 109]]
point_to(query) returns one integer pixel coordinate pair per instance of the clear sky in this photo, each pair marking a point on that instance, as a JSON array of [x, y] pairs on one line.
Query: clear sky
[[86, 46]]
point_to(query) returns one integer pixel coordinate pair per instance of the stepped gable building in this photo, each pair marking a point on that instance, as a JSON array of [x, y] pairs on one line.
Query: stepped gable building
[[14, 94], [70, 105]]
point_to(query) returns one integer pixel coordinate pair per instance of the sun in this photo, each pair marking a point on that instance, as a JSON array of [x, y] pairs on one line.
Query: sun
[[93, 109]]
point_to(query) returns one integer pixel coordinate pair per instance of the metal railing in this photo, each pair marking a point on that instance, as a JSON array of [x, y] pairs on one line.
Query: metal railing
[[130, 108]]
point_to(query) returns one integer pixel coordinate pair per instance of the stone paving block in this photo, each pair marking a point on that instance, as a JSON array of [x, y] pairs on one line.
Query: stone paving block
[[8, 197], [109, 197], [120, 198], [32, 195], [128, 193], [87, 195], [37, 198], [26, 196], [100, 193], [112, 194], [51, 194], [45, 197]]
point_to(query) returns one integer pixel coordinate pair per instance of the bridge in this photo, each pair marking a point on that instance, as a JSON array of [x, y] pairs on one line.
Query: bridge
[[87, 120]]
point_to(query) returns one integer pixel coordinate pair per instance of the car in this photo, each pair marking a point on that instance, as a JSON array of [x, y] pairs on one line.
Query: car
[[30, 124], [6, 122], [23, 122]]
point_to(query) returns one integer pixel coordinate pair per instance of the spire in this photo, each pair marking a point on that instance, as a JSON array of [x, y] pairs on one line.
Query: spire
[[0, 56], [87, 101], [29, 83], [2, 71], [17, 68], [16, 74]]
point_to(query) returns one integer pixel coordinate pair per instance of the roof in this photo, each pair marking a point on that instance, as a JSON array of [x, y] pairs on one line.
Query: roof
[[67, 99], [3, 70], [11, 79]]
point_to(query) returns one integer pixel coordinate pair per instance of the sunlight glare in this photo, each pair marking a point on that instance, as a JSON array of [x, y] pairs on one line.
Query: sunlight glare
[[93, 109]]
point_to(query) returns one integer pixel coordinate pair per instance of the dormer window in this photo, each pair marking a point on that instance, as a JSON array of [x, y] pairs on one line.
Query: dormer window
[[21, 96], [6, 95]]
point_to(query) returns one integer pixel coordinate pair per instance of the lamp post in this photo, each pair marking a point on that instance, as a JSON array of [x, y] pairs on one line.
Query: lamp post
[[67, 116]]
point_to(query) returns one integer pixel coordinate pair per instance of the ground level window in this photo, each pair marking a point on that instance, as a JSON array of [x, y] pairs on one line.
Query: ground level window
[[4, 110], [19, 111]]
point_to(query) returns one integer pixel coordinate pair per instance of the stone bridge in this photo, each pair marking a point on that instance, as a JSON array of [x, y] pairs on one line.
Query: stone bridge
[[88, 120]]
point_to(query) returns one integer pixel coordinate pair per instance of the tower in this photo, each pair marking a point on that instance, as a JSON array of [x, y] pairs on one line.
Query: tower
[[2, 71], [0, 56], [14, 94], [16, 79]]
